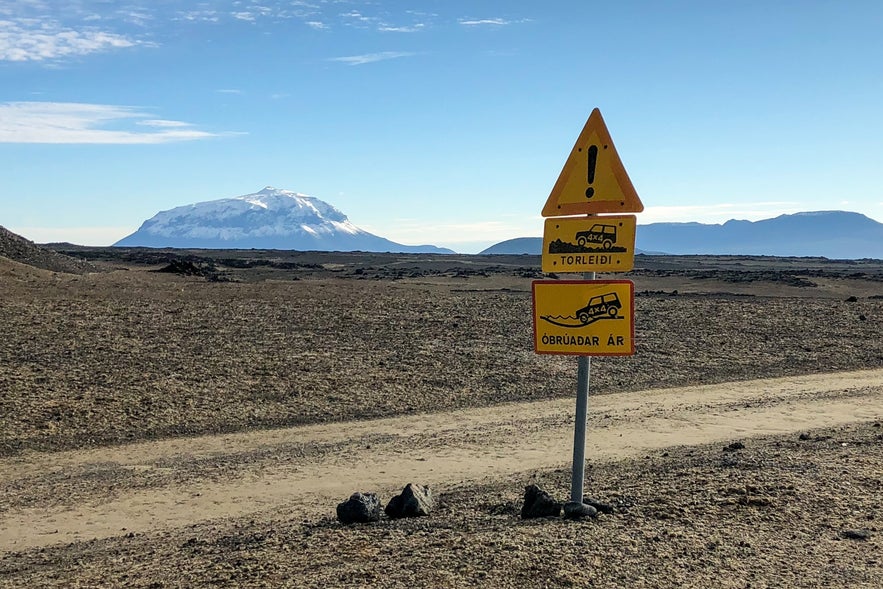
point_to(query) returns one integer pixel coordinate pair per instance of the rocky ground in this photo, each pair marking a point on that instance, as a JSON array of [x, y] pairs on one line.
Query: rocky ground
[[134, 353], [264, 340], [780, 512]]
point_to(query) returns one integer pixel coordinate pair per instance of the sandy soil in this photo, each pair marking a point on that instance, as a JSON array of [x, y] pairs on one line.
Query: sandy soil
[[195, 482], [161, 430]]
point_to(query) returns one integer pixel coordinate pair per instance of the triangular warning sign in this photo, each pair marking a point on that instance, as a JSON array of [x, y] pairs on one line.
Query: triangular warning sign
[[593, 179]]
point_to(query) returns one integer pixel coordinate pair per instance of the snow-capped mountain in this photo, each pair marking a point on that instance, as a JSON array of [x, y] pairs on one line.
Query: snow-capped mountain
[[269, 219]]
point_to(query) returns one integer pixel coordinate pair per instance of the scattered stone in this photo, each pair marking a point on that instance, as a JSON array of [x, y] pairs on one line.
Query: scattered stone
[[413, 501], [805, 436], [538, 503], [862, 318], [599, 505], [360, 508], [734, 446], [505, 508], [576, 510], [624, 504], [856, 534], [194, 267], [852, 299]]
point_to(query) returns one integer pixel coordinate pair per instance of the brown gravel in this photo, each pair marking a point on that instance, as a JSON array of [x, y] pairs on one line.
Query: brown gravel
[[127, 355], [98, 360]]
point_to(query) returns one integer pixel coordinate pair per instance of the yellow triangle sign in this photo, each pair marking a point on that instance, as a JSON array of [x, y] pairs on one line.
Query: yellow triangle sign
[[593, 179]]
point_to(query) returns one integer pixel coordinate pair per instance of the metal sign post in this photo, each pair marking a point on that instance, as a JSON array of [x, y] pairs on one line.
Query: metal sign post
[[583, 368], [583, 371], [587, 318]]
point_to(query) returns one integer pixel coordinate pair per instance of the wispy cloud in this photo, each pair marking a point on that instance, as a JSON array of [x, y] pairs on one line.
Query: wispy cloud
[[163, 123], [357, 19], [497, 22], [371, 57], [407, 29], [37, 40], [67, 123], [316, 24]]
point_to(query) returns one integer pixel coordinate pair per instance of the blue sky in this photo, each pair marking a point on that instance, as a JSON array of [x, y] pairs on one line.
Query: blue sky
[[439, 121]]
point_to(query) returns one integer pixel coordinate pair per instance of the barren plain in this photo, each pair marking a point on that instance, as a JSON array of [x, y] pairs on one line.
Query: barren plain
[[197, 426]]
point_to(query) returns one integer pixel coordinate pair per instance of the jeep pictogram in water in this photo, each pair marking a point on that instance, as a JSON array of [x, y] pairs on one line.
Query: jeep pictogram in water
[[599, 234], [600, 307]]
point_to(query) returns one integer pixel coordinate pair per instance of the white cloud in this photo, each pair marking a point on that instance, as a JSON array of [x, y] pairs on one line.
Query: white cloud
[[66, 122], [139, 18], [37, 40], [357, 18], [371, 57], [210, 16], [411, 29], [499, 22], [318, 25], [163, 123], [229, 91]]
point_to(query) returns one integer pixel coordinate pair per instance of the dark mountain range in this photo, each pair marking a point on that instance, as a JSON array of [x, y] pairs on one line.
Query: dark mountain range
[[268, 219], [829, 234]]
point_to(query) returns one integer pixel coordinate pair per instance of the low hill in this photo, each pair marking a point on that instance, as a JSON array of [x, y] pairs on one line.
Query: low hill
[[18, 249], [519, 245]]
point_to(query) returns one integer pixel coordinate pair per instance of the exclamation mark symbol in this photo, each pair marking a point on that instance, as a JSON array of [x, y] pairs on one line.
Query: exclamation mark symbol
[[593, 159]]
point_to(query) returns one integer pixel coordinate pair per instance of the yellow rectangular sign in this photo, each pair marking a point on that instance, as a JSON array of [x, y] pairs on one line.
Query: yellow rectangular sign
[[584, 317], [589, 244]]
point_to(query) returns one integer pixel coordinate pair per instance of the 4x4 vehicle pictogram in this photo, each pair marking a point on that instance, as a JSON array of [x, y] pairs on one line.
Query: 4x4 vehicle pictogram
[[598, 234], [600, 307]]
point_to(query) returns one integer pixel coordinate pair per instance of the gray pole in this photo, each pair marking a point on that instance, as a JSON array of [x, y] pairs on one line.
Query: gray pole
[[584, 365]]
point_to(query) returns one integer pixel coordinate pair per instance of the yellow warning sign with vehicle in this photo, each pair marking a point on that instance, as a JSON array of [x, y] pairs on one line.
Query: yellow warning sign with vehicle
[[589, 244], [584, 317], [593, 179]]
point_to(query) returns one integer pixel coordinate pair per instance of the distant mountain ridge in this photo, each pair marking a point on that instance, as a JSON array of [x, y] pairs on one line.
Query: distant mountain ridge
[[268, 219], [829, 234]]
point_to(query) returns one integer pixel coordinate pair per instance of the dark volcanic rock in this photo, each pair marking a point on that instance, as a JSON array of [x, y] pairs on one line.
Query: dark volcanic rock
[[413, 501], [576, 510], [538, 503], [599, 505], [360, 508], [194, 267], [856, 534]]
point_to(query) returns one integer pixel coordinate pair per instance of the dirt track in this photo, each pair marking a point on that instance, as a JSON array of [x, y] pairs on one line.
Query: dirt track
[[176, 483]]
